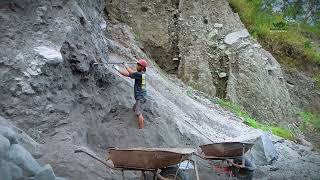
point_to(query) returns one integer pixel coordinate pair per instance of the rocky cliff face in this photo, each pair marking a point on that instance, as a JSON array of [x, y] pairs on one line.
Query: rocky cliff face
[[296, 10], [51, 89], [206, 44]]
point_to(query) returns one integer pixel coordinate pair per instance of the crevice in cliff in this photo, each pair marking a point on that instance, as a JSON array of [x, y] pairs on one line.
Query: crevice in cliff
[[219, 68], [174, 29], [222, 77]]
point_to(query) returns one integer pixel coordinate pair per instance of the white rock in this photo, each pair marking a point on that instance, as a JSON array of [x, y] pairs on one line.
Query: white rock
[[235, 36], [222, 75], [217, 25], [49, 53], [257, 46], [222, 47], [26, 88], [227, 52], [212, 34], [103, 25]]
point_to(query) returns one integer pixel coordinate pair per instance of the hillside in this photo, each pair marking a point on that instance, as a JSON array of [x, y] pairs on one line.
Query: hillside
[[51, 89]]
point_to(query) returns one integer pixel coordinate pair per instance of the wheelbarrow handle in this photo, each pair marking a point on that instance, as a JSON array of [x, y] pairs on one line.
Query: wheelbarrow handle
[[94, 157]]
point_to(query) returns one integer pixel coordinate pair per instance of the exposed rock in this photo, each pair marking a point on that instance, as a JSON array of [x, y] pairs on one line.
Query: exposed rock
[[304, 93], [256, 45], [222, 75], [193, 43], [5, 171], [16, 162], [16, 135], [59, 178], [16, 171], [45, 173], [4, 147], [76, 103], [222, 47], [217, 25], [26, 88], [9, 134], [23, 159], [263, 151], [256, 89], [50, 54], [307, 9], [235, 36], [212, 34]]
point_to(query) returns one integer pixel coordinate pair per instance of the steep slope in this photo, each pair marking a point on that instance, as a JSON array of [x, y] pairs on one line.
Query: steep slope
[[207, 46], [51, 89]]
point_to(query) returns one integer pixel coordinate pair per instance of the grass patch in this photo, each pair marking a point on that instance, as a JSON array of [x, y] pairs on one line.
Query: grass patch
[[317, 80], [288, 41], [250, 121], [310, 121]]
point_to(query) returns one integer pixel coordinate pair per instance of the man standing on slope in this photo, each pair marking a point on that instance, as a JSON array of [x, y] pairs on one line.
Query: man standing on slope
[[139, 87]]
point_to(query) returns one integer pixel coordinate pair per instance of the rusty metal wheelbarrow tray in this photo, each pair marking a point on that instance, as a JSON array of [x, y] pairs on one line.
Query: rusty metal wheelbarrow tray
[[148, 158], [224, 150]]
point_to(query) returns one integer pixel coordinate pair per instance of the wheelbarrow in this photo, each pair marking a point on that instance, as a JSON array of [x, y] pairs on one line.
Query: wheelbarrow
[[160, 161], [228, 158], [165, 162]]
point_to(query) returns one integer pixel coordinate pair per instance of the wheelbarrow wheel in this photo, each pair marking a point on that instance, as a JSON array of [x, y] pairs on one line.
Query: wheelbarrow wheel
[[170, 173], [245, 173]]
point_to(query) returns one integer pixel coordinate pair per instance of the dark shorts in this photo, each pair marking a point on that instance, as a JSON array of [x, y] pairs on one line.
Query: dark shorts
[[139, 106]]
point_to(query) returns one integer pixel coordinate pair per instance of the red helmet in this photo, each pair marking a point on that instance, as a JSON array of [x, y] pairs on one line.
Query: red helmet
[[143, 63]]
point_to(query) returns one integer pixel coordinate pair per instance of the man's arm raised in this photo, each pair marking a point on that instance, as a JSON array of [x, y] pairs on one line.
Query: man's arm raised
[[129, 69], [125, 72]]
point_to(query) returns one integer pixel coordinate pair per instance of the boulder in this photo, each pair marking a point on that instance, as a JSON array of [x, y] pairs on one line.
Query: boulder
[[235, 36], [60, 178], [23, 159], [5, 173], [16, 171], [9, 134], [45, 173], [264, 152], [16, 135], [4, 147]]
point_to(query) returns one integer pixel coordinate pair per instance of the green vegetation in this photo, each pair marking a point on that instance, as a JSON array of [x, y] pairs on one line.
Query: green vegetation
[[275, 129], [289, 42], [311, 121], [317, 80]]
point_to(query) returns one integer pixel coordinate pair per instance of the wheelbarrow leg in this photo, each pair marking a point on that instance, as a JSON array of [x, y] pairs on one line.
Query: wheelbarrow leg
[[143, 176], [243, 160], [155, 174], [175, 176], [122, 172], [196, 169]]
